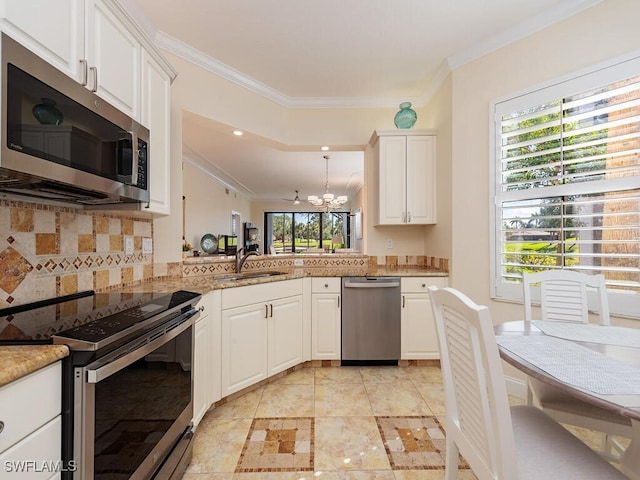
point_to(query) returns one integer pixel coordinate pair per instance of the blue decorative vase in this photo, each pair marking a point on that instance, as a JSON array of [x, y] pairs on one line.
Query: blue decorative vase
[[406, 117], [46, 112]]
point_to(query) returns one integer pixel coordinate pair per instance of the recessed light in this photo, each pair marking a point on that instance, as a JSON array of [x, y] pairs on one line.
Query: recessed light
[[237, 133], [324, 149]]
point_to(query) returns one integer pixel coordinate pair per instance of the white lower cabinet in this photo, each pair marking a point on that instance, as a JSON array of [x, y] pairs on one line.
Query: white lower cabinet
[[325, 319], [244, 346], [202, 366], [262, 338], [284, 334], [32, 425], [419, 340], [206, 370]]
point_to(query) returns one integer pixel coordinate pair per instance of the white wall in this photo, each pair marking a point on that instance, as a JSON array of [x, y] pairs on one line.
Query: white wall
[[208, 206], [437, 115], [602, 32]]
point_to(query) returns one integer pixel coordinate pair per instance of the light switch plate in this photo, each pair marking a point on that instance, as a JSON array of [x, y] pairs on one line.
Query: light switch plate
[[147, 245], [128, 245]]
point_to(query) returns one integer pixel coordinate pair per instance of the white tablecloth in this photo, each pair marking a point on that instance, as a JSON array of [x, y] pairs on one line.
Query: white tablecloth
[[575, 365]]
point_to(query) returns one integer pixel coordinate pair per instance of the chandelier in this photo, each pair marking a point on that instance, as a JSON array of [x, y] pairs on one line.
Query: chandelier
[[327, 200]]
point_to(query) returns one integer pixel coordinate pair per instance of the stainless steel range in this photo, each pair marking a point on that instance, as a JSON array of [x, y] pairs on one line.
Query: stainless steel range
[[127, 399]]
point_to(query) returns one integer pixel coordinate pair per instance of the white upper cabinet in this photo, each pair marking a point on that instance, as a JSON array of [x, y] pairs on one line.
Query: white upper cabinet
[[404, 163], [156, 116], [93, 41], [55, 32], [113, 59]]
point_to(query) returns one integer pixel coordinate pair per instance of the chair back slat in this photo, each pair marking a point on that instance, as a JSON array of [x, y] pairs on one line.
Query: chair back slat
[[564, 295], [478, 415]]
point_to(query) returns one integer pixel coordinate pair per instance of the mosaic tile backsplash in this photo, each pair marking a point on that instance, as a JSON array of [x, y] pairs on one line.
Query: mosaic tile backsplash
[[48, 251]]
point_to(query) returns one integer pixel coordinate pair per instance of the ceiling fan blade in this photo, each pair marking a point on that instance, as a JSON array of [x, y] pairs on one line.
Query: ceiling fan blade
[[296, 199]]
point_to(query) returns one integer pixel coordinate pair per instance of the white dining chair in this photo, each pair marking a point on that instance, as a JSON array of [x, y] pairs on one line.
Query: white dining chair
[[497, 441], [564, 297]]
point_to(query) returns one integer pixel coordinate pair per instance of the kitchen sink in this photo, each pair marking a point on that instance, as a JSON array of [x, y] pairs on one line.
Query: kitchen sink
[[246, 276]]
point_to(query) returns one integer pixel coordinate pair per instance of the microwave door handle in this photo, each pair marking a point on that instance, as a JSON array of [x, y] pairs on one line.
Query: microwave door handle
[[135, 158]]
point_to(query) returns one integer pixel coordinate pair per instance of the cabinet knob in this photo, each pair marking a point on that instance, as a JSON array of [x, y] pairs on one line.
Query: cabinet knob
[[326, 285], [424, 285], [202, 307], [1, 426]]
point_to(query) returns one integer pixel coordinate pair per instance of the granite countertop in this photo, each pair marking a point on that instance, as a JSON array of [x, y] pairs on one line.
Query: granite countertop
[[206, 283], [21, 360]]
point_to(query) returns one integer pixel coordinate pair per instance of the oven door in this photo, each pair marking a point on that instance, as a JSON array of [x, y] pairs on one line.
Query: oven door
[[132, 406]]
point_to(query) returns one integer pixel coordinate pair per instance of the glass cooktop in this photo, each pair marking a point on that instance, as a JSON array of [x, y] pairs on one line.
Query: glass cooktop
[[86, 316]]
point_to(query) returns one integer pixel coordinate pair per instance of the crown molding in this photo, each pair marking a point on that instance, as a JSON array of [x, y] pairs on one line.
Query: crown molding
[[128, 12], [195, 159], [208, 63], [520, 31]]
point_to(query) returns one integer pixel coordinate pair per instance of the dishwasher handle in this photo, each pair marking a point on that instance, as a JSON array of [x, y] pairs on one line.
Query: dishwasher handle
[[393, 284]]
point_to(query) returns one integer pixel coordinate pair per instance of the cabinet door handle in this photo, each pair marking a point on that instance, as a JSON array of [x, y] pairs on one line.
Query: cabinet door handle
[[95, 79], [266, 310], [404, 217], [271, 305], [408, 217], [1, 426], [338, 301], [85, 73], [402, 301]]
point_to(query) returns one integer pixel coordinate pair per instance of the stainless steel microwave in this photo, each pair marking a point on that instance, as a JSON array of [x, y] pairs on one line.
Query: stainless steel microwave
[[61, 142]]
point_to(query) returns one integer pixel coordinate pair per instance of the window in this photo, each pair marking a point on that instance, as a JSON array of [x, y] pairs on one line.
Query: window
[[296, 232], [566, 183]]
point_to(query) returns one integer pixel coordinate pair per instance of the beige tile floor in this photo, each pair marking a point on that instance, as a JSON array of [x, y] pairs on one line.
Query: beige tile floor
[[346, 405]]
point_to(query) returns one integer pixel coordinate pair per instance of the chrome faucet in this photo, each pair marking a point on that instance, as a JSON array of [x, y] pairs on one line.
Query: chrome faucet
[[242, 258]]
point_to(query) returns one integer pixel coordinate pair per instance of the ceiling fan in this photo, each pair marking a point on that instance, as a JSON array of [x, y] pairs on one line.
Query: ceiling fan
[[295, 200]]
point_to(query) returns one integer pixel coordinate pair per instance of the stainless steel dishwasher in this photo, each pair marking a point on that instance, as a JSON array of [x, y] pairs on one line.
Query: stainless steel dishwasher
[[370, 320]]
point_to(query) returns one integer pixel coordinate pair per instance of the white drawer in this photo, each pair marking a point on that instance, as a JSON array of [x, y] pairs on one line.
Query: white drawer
[[421, 284], [325, 285], [30, 402], [43, 447], [204, 305]]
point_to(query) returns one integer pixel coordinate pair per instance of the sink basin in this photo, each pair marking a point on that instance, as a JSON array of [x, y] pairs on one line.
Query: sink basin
[[246, 276]]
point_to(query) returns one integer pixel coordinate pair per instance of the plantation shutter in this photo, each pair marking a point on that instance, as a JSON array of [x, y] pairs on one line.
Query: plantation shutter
[[567, 182]]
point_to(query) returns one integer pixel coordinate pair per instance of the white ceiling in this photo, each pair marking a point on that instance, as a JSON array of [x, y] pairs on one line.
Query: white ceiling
[[310, 53]]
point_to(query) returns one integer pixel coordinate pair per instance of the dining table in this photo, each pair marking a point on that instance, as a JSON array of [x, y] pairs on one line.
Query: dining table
[[596, 364]]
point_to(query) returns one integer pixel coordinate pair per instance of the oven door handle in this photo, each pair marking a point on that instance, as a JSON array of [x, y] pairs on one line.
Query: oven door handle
[[104, 368]]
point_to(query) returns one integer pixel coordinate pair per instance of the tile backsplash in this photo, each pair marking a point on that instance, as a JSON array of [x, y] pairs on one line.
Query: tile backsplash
[[48, 251]]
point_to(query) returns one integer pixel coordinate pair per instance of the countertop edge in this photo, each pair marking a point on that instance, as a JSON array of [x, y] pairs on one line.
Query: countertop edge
[[17, 361]]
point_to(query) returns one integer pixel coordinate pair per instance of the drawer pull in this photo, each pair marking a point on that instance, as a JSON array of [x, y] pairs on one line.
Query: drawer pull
[[424, 285], [326, 285], [1, 426]]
